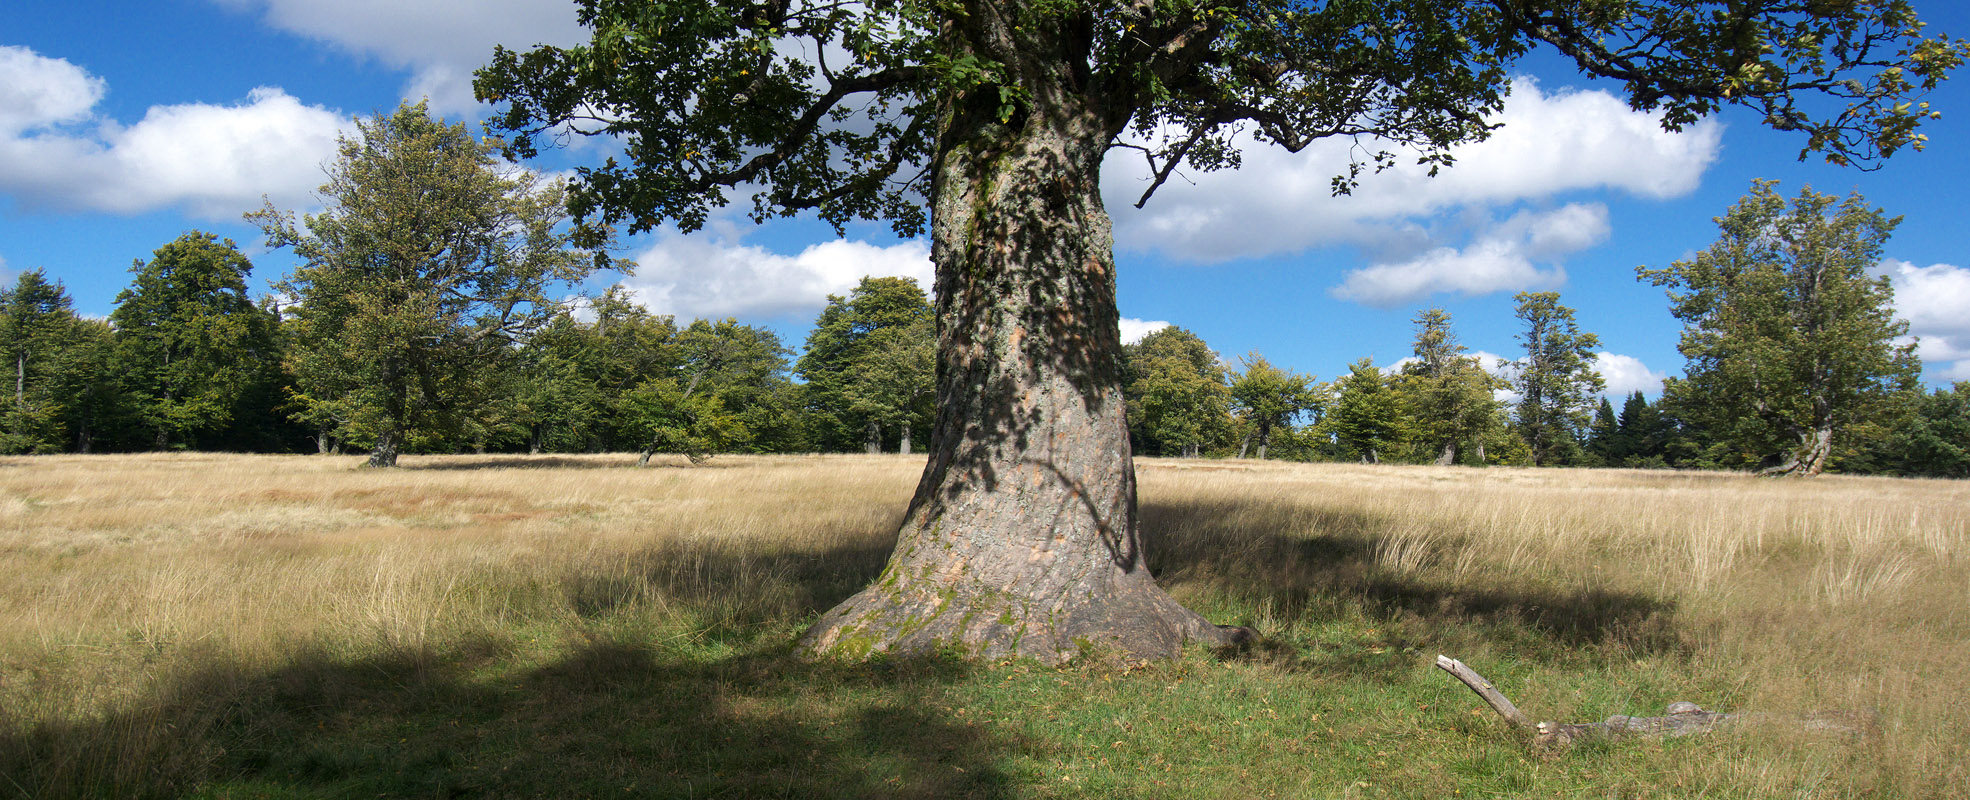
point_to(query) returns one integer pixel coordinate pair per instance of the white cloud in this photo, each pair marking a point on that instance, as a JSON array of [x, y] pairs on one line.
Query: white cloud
[[1501, 259], [434, 39], [213, 161], [1134, 329], [1935, 300], [697, 276], [1280, 202], [1626, 375], [37, 91]]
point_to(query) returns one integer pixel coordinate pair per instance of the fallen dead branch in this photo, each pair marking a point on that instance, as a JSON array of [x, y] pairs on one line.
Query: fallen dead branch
[[1680, 718]]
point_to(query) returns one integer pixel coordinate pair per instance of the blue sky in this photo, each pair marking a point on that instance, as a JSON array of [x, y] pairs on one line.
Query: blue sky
[[124, 124]]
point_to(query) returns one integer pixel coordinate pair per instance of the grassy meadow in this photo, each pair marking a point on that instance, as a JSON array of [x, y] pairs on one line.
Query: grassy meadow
[[505, 626]]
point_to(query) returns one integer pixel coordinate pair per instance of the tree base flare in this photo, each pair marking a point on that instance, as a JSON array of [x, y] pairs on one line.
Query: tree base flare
[[1131, 622]]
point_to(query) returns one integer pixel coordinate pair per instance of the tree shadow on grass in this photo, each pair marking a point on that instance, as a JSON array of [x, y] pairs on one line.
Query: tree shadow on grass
[[1333, 572], [623, 717], [607, 719]]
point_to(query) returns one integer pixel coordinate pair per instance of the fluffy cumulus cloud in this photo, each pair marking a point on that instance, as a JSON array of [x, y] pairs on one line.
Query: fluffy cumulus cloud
[[1134, 329], [213, 161], [1626, 375], [1505, 257], [37, 91], [698, 276], [1935, 300], [1279, 202], [431, 38]]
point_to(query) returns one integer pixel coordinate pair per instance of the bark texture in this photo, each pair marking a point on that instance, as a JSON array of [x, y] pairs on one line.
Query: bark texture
[[1022, 537]]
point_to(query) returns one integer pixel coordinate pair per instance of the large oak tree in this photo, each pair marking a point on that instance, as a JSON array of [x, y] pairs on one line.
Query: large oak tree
[[990, 119]]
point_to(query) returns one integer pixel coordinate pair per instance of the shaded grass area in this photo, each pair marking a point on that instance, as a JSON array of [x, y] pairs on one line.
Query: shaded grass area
[[665, 669]]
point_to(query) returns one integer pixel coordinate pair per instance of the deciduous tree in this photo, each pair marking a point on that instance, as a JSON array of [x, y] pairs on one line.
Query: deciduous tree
[[1368, 418], [428, 261], [869, 361], [1176, 392], [192, 348], [991, 120], [1789, 338], [1267, 399], [1450, 395]]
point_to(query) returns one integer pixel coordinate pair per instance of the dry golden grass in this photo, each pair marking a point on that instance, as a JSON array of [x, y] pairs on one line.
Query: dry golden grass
[[120, 576]]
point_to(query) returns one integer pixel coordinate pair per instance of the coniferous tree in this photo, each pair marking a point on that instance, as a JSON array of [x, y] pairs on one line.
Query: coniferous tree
[[1789, 338], [38, 327], [1556, 382]]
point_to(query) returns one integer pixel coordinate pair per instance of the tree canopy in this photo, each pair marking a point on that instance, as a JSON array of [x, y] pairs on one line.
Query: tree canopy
[[1789, 336], [428, 259]]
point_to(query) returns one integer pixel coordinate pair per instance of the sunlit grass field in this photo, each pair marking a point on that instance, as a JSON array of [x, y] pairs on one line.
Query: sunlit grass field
[[256, 626]]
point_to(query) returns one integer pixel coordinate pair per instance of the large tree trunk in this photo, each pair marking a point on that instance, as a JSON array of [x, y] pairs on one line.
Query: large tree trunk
[[872, 438], [1448, 455], [1809, 458], [904, 447], [1022, 539]]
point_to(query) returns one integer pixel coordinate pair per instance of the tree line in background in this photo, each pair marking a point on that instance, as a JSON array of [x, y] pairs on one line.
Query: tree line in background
[[421, 320]]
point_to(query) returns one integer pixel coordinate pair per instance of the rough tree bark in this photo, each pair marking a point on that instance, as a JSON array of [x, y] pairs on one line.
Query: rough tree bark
[[1022, 537]]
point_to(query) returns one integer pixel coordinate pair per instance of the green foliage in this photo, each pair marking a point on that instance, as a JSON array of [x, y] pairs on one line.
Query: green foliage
[[1935, 439], [1266, 399], [1788, 336], [870, 362], [835, 107], [38, 334], [1556, 382], [428, 261], [1448, 394], [1175, 386], [191, 348], [1369, 419], [720, 367]]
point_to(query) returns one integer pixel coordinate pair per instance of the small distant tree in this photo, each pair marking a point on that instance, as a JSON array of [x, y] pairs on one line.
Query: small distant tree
[[1934, 439], [191, 346], [1557, 383], [428, 262], [1450, 395], [37, 329], [1175, 389], [1368, 417], [1268, 399], [864, 364], [1789, 338], [722, 369]]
